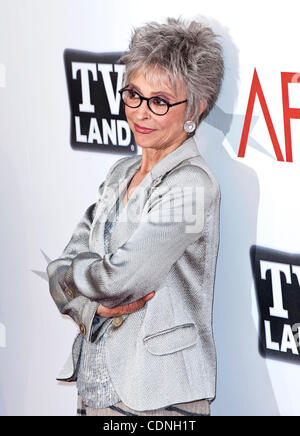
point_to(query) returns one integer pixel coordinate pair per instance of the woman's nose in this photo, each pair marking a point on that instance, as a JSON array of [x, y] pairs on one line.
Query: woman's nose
[[143, 111]]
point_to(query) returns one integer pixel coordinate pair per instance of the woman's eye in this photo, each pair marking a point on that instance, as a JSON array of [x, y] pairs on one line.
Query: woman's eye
[[158, 101], [132, 94]]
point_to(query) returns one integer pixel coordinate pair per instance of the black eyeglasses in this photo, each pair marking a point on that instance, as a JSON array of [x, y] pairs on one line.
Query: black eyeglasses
[[157, 105]]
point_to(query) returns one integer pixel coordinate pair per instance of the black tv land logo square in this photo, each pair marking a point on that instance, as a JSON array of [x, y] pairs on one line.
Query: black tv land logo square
[[98, 120], [277, 283]]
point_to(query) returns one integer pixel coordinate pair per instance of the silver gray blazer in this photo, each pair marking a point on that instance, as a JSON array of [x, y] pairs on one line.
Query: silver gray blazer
[[166, 239]]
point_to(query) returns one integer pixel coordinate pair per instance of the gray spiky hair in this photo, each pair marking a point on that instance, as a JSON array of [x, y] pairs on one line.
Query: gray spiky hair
[[180, 50]]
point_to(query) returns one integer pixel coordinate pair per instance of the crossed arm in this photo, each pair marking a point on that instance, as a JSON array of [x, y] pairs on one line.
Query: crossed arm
[[80, 308]]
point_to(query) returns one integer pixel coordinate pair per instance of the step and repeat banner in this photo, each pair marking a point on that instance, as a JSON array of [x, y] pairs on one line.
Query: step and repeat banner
[[62, 128]]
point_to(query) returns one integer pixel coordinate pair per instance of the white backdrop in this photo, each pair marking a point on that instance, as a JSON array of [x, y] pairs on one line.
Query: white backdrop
[[46, 186]]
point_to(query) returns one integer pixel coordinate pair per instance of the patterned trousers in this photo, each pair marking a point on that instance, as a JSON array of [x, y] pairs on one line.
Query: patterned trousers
[[195, 408]]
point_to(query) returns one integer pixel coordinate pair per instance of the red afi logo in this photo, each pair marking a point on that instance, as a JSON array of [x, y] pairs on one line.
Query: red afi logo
[[288, 114]]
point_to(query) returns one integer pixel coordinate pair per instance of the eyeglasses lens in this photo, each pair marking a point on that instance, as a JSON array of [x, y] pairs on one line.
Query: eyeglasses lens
[[132, 99]]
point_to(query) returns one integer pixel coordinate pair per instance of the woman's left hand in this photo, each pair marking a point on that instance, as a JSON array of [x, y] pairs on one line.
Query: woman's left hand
[[124, 309]]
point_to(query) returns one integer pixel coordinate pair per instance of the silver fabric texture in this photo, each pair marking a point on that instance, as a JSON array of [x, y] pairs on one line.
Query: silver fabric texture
[[94, 384], [152, 361], [93, 381], [110, 223]]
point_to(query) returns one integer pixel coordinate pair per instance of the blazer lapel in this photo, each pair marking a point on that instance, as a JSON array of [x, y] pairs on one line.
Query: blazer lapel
[[186, 150], [115, 187]]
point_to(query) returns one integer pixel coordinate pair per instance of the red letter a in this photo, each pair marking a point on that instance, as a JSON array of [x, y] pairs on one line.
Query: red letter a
[[257, 89]]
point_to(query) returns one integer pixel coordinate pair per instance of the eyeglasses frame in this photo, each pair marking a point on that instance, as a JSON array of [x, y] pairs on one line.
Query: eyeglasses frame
[[148, 100]]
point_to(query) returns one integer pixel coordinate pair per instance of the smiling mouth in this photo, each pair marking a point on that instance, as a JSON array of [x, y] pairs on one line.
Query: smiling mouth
[[141, 129]]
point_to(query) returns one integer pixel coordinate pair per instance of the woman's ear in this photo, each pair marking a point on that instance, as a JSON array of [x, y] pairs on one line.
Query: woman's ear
[[203, 105]]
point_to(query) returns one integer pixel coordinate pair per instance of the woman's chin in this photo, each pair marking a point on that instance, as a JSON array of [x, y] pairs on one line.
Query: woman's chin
[[144, 140]]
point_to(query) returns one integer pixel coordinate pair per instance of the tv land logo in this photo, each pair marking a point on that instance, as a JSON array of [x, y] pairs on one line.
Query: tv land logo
[[277, 282], [98, 120]]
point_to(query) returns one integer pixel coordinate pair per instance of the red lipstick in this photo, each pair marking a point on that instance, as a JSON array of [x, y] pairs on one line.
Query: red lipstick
[[141, 129]]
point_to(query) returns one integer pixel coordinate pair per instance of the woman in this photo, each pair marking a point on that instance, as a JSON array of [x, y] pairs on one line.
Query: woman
[[138, 273]]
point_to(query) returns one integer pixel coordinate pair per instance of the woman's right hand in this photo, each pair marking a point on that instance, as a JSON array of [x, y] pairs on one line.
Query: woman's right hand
[[126, 308]]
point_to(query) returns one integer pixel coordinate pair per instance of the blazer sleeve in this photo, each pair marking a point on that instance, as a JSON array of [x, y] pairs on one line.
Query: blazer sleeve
[[162, 235], [79, 307]]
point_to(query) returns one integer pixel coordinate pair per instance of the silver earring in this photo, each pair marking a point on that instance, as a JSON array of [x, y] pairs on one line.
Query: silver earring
[[189, 126]]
